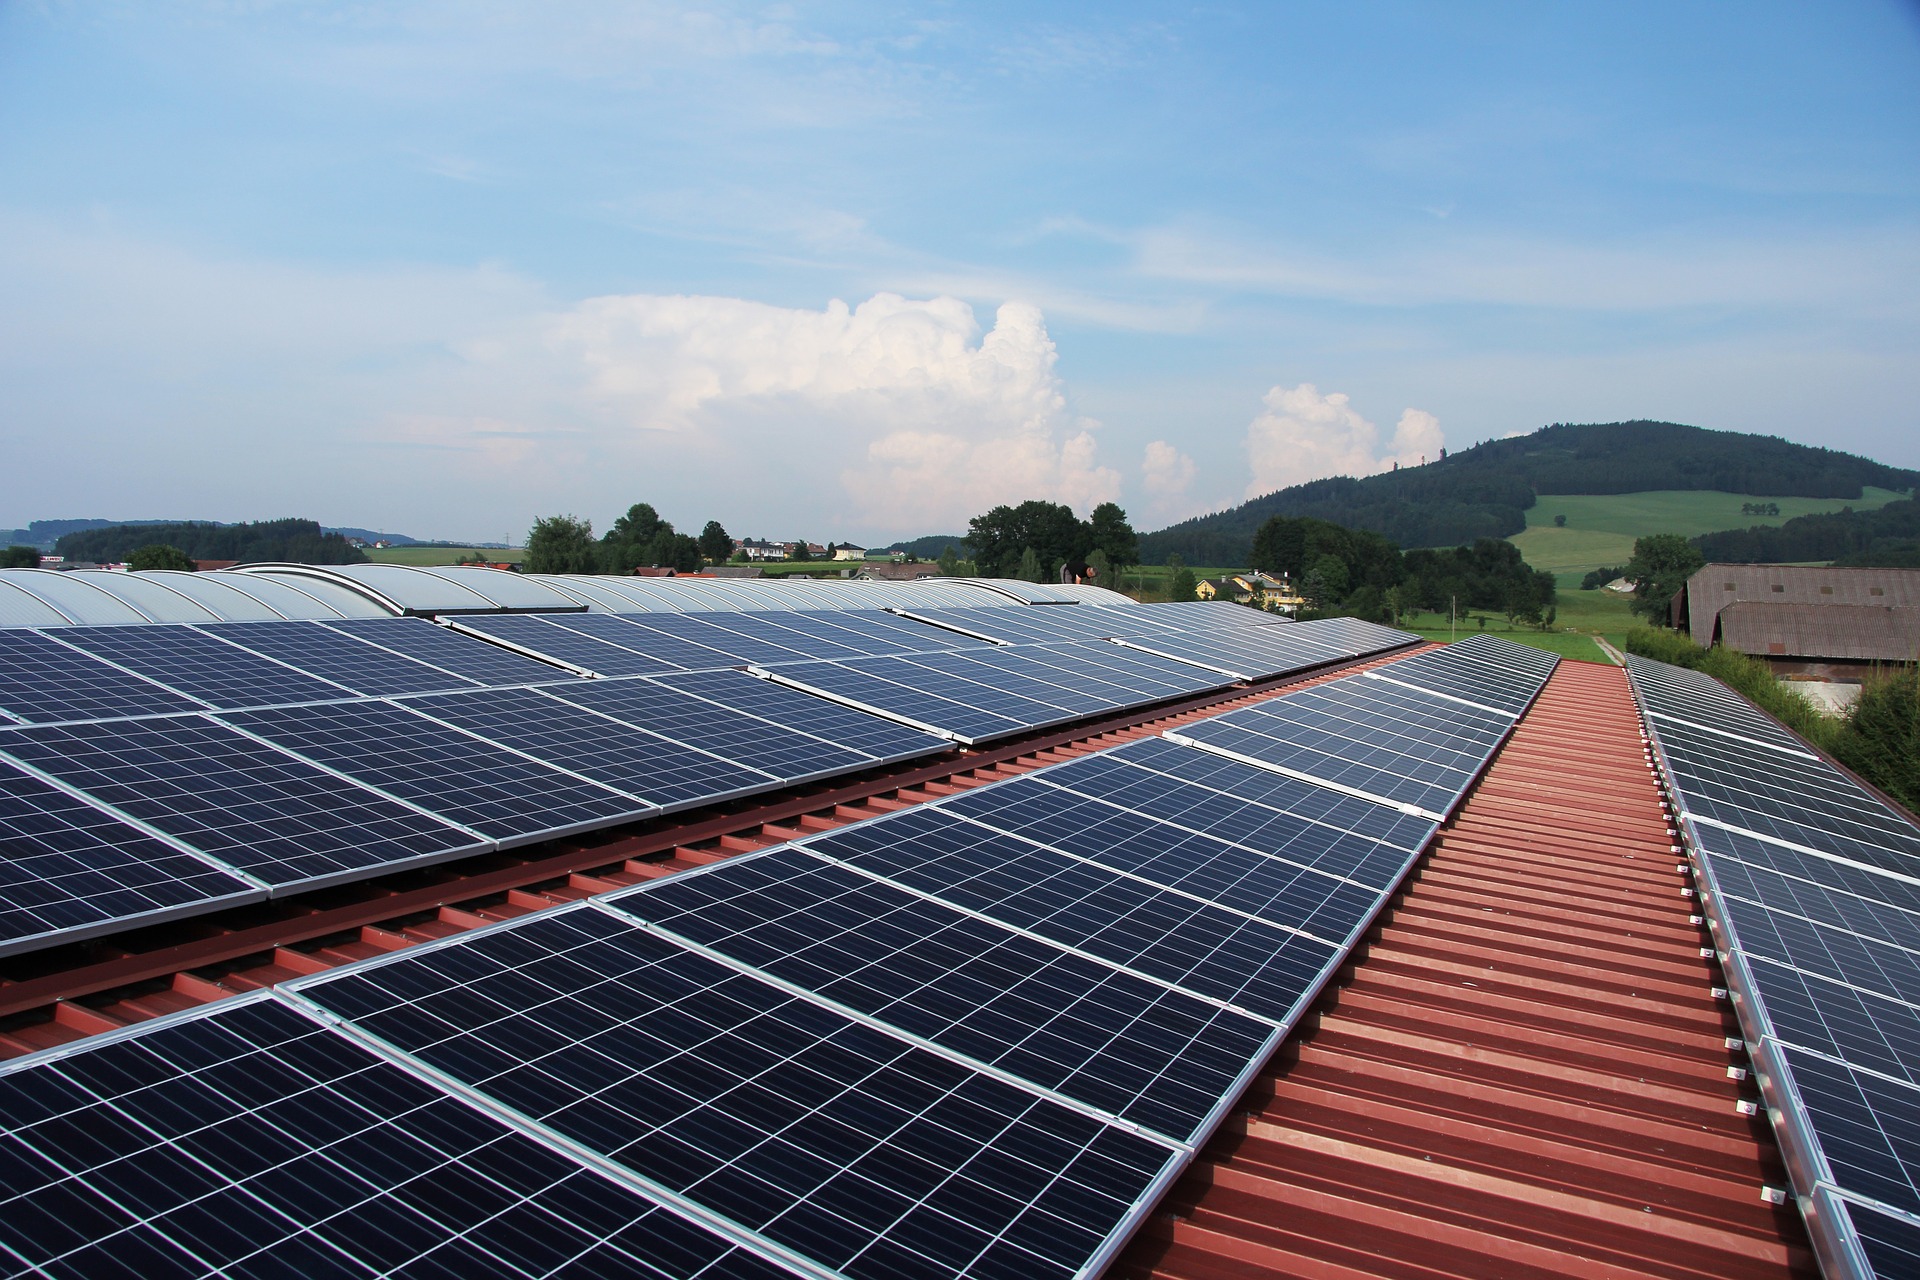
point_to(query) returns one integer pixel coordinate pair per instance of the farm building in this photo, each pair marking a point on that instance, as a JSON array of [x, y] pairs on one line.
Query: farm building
[[1821, 621]]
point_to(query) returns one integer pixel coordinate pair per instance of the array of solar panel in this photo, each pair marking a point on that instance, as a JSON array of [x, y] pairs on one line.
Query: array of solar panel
[[69, 869], [345, 660], [1876, 1242], [1018, 625], [251, 1140], [1253, 653], [442, 647], [1812, 887], [203, 667], [868, 1154], [974, 1038], [1485, 670]]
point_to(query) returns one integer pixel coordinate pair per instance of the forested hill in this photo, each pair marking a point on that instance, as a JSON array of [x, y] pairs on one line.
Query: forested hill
[[296, 540], [1484, 492]]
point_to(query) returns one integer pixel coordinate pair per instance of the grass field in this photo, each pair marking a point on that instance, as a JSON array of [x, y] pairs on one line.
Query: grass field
[[429, 557], [1601, 527], [1560, 642]]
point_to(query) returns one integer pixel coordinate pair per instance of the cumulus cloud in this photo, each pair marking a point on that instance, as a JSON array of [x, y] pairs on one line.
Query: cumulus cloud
[[1165, 474], [948, 421], [1303, 435]]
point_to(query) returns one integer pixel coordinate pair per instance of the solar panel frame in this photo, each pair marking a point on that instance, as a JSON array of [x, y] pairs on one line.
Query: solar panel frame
[[251, 807], [203, 667], [1145, 1053], [708, 630], [532, 633], [862, 689], [1854, 1239], [248, 1138], [459, 653], [337, 657], [1843, 1126], [71, 870], [882, 628], [631, 632], [45, 682], [754, 1102], [881, 741], [1243, 655], [1013, 674], [507, 796]]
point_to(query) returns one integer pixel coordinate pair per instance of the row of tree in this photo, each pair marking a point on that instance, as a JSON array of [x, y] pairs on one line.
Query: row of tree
[[1858, 537], [637, 539], [1035, 539], [297, 541]]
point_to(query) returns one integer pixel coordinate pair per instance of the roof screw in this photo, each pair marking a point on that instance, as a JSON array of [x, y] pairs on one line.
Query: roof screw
[[1746, 1107], [1736, 1044], [1719, 993], [1736, 1073], [1696, 919], [1773, 1195]]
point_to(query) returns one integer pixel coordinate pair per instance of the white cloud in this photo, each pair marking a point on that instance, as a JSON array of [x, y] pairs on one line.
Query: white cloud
[[1304, 435], [1165, 474], [948, 421]]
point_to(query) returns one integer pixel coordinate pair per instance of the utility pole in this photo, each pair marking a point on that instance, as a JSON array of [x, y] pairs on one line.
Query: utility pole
[[1453, 616]]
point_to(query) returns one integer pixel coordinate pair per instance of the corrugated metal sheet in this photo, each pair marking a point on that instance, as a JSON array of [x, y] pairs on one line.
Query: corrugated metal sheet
[[1525, 1073], [1857, 632], [1716, 586]]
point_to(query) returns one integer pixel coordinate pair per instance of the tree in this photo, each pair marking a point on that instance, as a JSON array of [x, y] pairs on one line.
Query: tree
[[999, 537], [1030, 567], [1180, 582], [949, 562], [1661, 565], [1326, 582], [799, 551], [561, 544], [160, 556], [1109, 533], [715, 543], [18, 557], [1559, 522], [639, 525]]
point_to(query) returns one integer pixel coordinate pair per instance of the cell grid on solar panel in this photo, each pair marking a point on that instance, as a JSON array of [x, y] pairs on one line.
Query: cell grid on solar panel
[[1730, 852], [68, 869], [1835, 954], [44, 681], [1216, 953], [256, 809], [879, 740], [628, 633], [1009, 674], [536, 635], [477, 660], [915, 705], [200, 666], [335, 656], [1855, 1026], [1090, 1032], [854, 1147], [714, 633], [499, 793], [253, 1141], [1890, 1244], [577, 740], [1868, 1128], [731, 735]]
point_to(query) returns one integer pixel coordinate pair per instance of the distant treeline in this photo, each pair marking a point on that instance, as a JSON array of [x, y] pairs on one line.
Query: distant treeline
[[301, 541], [1888, 535], [934, 545], [1485, 491]]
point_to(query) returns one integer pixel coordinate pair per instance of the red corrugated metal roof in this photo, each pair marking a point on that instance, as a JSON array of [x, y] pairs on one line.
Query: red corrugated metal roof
[[1525, 1071]]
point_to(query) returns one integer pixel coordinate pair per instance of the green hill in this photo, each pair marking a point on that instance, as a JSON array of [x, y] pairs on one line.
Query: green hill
[[1492, 489]]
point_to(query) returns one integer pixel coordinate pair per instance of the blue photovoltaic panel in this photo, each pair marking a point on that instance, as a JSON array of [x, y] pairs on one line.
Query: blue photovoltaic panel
[[1093, 1033], [202, 667], [255, 809], [43, 681], [771, 629], [1858, 960], [629, 633], [1257, 966], [1475, 675], [1868, 1128], [1292, 895], [1677, 693], [572, 738], [864, 687], [483, 663], [558, 644], [1129, 676], [1306, 733], [1009, 672], [782, 753], [1858, 1027], [1025, 624], [1236, 798], [1181, 616], [334, 656], [869, 1155], [1821, 888], [877, 739], [1250, 654], [251, 1141], [67, 867], [499, 793], [1891, 1244], [742, 643], [881, 632], [1359, 637]]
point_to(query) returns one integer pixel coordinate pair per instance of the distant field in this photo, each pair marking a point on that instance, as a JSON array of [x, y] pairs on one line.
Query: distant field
[[428, 557], [1601, 527]]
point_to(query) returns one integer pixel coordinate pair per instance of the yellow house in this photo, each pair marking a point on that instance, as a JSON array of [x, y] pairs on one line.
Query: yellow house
[[1265, 590]]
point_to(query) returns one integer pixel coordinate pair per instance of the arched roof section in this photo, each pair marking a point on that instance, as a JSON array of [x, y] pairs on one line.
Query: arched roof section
[[72, 597], [242, 597], [19, 607], [149, 593], [505, 588], [1096, 595], [1025, 592]]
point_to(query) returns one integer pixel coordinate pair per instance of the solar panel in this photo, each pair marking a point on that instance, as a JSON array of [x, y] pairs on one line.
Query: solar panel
[[879, 740], [878, 631], [442, 647], [852, 1146], [255, 809], [631, 633], [774, 629], [534, 634], [1125, 675], [1245, 655], [1203, 948], [198, 665], [69, 870], [1857, 959], [1874, 1241], [503, 795], [865, 688], [1867, 1127], [1012, 673], [725, 633], [44, 681], [249, 1140], [568, 737], [683, 718], [1091, 1032], [1857, 1026], [334, 656], [1473, 677], [1293, 895], [1012, 624], [1738, 861]]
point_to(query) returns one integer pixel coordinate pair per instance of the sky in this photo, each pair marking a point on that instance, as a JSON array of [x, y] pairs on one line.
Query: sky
[[859, 272]]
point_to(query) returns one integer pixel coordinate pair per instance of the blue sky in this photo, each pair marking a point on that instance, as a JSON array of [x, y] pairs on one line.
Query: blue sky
[[858, 271]]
